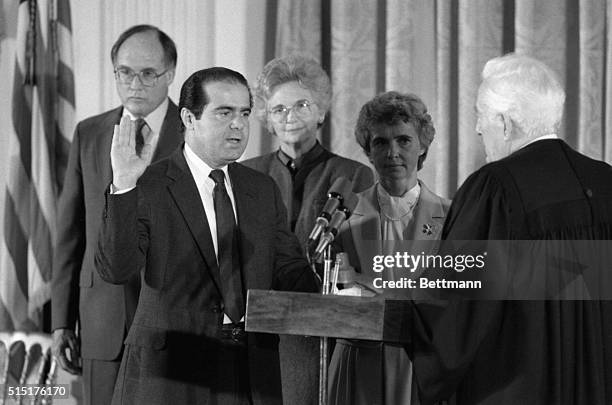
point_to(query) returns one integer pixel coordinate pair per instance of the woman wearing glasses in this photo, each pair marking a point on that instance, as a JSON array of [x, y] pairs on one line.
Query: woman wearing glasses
[[292, 97]]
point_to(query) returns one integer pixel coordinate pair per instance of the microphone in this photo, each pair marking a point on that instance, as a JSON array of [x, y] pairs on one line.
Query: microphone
[[341, 215], [340, 188]]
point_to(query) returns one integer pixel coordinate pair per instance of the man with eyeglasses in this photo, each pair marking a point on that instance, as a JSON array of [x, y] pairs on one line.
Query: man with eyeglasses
[[89, 316]]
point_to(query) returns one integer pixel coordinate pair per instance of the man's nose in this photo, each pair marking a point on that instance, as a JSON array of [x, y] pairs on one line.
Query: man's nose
[[239, 122], [136, 82]]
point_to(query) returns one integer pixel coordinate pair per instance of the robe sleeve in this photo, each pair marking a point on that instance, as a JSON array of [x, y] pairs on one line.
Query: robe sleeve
[[448, 333]]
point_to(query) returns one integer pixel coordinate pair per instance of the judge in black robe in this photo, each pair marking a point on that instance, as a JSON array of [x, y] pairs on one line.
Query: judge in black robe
[[535, 190]]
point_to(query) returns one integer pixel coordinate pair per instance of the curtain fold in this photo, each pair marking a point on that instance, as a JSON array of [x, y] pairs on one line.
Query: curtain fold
[[354, 69], [438, 49]]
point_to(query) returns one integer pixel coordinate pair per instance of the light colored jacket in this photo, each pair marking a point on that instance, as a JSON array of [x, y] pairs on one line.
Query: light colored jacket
[[360, 237]]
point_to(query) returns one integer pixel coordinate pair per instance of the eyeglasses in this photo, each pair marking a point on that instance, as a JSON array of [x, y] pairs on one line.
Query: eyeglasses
[[301, 108], [148, 77]]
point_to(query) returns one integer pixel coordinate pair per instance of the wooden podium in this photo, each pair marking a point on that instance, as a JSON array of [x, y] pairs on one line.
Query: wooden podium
[[336, 316], [308, 314]]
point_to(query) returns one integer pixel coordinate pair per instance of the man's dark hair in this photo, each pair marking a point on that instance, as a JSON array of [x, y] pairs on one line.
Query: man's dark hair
[[166, 42], [193, 93]]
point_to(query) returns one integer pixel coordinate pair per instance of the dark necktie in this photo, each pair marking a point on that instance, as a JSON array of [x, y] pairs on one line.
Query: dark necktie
[[140, 124], [227, 249]]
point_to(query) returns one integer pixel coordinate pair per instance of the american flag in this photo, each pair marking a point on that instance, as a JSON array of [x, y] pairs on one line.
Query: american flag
[[43, 121]]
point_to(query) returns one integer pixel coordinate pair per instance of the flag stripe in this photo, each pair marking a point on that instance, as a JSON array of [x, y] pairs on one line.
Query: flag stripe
[[66, 83], [62, 150], [38, 287], [22, 119], [16, 242], [65, 110], [43, 119], [41, 240], [63, 16], [5, 318]]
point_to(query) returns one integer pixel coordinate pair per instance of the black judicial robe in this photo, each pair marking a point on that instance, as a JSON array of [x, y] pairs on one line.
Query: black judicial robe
[[522, 351]]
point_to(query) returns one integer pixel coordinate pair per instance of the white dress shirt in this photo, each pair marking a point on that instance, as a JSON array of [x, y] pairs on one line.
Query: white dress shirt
[[396, 213], [549, 136], [200, 172], [154, 121]]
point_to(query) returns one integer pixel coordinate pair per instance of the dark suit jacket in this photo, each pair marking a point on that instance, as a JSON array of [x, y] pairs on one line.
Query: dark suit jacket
[[161, 226], [519, 351], [77, 290]]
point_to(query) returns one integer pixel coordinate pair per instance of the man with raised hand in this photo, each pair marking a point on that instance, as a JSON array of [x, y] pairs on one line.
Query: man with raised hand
[[203, 230]]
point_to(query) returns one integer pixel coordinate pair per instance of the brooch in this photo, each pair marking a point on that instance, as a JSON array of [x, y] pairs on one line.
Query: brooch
[[428, 229]]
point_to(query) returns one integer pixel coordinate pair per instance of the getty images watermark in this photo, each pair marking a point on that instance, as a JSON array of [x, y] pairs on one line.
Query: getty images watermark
[[416, 265], [491, 269]]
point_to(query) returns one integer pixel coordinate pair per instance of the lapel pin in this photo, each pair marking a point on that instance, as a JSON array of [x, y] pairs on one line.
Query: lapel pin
[[428, 229]]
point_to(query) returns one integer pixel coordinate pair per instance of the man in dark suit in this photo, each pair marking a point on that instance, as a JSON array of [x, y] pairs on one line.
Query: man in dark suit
[[89, 316], [203, 230], [528, 345]]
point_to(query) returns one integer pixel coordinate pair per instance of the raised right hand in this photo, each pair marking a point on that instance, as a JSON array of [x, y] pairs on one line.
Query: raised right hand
[[64, 340], [127, 165]]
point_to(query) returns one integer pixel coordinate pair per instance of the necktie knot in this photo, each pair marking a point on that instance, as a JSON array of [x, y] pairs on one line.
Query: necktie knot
[[140, 123], [218, 176]]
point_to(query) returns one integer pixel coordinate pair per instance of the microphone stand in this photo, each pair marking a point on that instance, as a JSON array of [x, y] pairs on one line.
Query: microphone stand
[[327, 265]]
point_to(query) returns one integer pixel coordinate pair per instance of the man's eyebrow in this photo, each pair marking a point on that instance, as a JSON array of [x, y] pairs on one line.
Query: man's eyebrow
[[231, 107], [225, 107]]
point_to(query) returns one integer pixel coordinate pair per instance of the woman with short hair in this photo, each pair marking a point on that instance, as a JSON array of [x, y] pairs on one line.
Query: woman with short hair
[[292, 97], [399, 212]]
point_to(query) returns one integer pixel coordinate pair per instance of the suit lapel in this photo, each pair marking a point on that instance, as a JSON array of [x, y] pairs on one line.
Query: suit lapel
[[365, 229], [170, 137], [185, 193], [428, 217], [103, 140]]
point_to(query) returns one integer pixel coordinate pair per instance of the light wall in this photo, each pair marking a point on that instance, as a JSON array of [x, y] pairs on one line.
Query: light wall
[[207, 33]]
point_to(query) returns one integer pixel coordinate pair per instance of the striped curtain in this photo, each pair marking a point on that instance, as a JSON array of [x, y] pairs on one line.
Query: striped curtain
[[437, 50], [43, 121]]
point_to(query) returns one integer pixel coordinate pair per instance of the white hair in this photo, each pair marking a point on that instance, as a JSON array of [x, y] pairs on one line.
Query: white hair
[[526, 90]]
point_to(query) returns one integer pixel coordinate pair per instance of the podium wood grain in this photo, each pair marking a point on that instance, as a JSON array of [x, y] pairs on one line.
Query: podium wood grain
[[328, 315]]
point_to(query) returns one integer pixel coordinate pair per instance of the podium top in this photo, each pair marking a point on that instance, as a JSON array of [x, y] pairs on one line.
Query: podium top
[[308, 314]]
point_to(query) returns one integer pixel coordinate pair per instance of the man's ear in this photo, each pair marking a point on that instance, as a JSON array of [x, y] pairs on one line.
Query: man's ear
[[508, 127], [188, 118], [171, 73]]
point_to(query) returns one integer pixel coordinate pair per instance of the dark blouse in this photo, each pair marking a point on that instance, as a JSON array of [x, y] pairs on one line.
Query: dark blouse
[[305, 190]]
